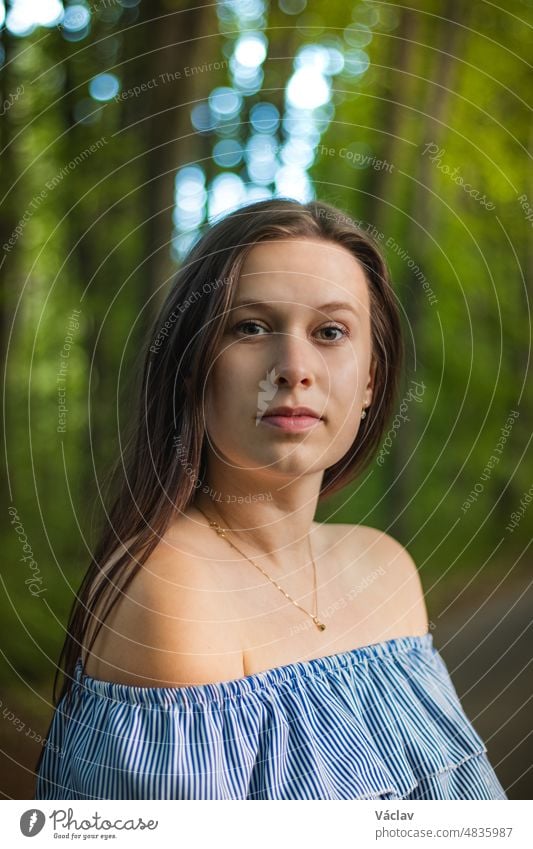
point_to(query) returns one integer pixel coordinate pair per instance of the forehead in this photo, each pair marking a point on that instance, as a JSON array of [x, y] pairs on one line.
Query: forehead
[[303, 267]]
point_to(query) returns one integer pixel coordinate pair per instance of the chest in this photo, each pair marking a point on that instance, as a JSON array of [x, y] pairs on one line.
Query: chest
[[350, 601]]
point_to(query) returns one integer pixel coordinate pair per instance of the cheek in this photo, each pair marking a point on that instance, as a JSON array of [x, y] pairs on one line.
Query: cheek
[[347, 389], [344, 429], [227, 388], [216, 400], [348, 418], [347, 382]]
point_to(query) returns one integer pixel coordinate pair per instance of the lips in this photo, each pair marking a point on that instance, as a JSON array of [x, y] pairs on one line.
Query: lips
[[291, 419], [292, 412]]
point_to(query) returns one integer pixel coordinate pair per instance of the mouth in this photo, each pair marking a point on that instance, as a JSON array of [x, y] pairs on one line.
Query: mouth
[[291, 420]]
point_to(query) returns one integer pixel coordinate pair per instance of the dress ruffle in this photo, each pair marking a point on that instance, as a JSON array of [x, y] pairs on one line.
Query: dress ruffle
[[379, 722]]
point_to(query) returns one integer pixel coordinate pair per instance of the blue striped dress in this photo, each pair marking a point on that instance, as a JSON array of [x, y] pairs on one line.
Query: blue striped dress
[[381, 721]]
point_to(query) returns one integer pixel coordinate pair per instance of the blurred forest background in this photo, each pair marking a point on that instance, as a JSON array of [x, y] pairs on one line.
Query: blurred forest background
[[126, 127]]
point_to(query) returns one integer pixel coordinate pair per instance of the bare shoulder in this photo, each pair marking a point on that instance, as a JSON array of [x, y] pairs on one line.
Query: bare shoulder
[[171, 627], [374, 551]]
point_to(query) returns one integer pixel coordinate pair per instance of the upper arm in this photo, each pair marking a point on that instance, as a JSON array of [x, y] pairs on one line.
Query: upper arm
[[404, 595], [167, 628]]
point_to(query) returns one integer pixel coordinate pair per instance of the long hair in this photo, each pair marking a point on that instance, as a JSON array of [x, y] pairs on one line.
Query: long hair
[[153, 485]]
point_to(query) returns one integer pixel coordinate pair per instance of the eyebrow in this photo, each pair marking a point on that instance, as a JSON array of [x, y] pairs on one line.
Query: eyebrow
[[332, 305]]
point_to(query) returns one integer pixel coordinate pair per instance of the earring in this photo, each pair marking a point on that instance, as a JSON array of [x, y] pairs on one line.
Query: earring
[[363, 414]]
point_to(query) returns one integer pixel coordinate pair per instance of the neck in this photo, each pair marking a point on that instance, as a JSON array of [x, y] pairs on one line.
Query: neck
[[274, 526]]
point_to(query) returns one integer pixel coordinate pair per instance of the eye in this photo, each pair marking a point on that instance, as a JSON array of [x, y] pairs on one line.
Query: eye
[[342, 330], [249, 323]]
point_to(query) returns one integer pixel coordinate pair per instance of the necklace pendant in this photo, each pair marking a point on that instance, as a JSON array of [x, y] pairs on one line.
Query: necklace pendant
[[320, 625]]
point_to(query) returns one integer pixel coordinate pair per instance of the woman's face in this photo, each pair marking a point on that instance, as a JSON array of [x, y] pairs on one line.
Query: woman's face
[[292, 346]]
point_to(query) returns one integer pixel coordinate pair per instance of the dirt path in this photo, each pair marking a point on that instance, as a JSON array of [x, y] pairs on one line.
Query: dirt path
[[488, 648]]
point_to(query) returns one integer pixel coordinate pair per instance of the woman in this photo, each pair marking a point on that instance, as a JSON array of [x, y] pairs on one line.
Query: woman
[[224, 645]]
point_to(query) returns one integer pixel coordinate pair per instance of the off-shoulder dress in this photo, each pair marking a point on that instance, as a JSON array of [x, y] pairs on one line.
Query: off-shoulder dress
[[381, 721]]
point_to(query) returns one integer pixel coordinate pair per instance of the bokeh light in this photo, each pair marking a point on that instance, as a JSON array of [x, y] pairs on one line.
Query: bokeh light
[[292, 7], [227, 153], [227, 191], [25, 15], [251, 49], [76, 18], [307, 89], [190, 197], [104, 87], [225, 102], [202, 118], [356, 62], [294, 182], [264, 118], [357, 35]]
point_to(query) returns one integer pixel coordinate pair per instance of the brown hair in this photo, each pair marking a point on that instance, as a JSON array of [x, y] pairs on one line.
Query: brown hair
[[153, 484]]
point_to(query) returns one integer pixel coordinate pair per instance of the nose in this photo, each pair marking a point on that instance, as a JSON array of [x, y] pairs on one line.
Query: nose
[[294, 362]]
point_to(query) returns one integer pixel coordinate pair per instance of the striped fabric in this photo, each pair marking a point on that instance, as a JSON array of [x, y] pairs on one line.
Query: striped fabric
[[379, 722]]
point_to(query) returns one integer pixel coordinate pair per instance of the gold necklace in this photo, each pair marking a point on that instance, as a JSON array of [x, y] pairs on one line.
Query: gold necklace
[[222, 533]]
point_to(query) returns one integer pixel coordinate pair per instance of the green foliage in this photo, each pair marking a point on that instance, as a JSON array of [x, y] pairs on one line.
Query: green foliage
[[99, 242]]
